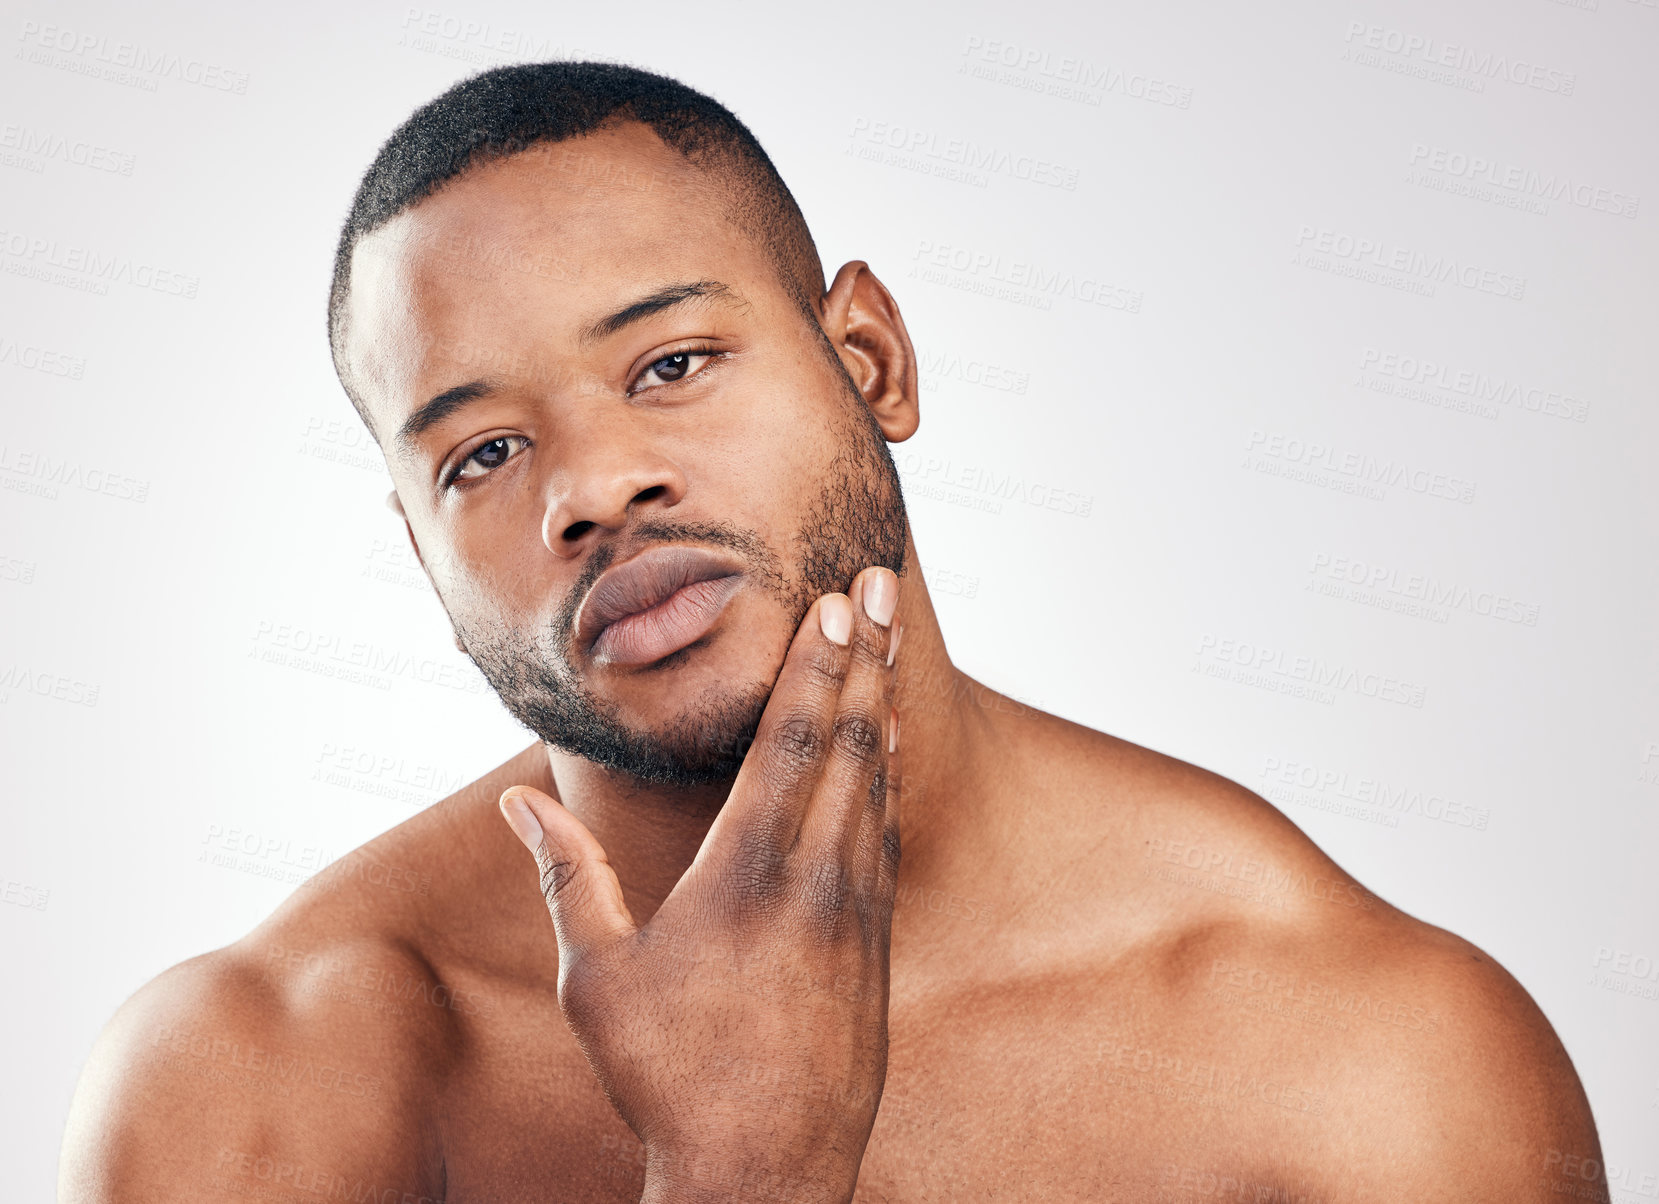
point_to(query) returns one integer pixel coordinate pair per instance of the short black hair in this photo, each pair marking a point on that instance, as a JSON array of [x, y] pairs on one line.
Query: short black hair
[[506, 110]]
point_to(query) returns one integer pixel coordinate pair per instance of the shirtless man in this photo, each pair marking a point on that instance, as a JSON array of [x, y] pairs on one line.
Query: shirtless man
[[641, 450]]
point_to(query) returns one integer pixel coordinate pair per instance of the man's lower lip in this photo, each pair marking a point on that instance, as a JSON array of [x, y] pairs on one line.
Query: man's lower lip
[[682, 618]]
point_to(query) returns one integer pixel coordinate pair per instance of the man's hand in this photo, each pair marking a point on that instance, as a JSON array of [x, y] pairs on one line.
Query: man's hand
[[742, 1031]]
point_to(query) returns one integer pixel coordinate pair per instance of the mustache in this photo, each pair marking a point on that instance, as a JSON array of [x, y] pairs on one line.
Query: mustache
[[649, 533]]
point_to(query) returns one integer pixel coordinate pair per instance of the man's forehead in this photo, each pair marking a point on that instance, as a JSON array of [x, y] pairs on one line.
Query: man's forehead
[[560, 212], [529, 246]]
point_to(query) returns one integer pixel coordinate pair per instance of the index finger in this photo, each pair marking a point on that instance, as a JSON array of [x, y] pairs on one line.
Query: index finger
[[761, 819]]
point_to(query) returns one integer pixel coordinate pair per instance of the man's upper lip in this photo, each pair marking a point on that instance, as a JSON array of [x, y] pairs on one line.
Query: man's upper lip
[[644, 580]]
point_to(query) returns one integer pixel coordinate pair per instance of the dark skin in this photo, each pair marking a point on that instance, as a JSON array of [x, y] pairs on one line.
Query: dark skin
[[1103, 973]]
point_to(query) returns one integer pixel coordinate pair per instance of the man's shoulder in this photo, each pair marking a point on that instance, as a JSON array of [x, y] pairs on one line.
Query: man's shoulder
[[434, 861], [386, 926], [239, 1060], [408, 906], [1417, 1047], [321, 1033]]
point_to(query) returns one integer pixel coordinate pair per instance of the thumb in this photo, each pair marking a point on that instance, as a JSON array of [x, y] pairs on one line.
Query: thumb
[[580, 887]]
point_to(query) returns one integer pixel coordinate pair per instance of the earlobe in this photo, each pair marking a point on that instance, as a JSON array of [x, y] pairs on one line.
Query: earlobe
[[863, 324], [395, 505]]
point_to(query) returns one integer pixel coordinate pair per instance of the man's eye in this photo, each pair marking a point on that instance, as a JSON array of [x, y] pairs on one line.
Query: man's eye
[[671, 368], [490, 456]]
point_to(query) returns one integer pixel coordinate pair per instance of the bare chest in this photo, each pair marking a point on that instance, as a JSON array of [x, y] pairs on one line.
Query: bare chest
[[1066, 1094]]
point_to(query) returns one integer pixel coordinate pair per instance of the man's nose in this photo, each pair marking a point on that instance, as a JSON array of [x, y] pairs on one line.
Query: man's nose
[[597, 487]]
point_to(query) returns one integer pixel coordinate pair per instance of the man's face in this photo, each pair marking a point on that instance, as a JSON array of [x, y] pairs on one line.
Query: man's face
[[633, 401]]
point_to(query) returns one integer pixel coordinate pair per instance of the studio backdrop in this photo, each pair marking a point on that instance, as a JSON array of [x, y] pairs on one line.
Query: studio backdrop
[[1288, 377]]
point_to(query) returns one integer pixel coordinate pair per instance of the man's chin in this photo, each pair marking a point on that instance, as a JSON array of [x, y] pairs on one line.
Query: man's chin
[[704, 743]]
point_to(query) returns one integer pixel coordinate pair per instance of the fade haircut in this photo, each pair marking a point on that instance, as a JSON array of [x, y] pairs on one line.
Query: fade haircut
[[507, 110]]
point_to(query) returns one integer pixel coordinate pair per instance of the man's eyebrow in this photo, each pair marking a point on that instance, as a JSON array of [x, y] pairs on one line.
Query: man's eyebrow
[[449, 401], [436, 410], [664, 298]]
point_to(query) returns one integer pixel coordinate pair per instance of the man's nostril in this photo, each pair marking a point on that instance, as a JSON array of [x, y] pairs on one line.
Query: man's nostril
[[651, 494], [576, 530]]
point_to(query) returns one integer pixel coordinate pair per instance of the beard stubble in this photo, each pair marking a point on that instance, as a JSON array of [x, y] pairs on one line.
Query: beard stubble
[[857, 520]]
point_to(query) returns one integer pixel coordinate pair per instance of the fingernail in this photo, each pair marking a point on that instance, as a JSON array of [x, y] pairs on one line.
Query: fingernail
[[522, 821], [893, 733], [881, 595], [893, 644], [835, 616]]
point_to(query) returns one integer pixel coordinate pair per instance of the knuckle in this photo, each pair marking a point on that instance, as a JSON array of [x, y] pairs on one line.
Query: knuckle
[[875, 802], [891, 851], [825, 664], [557, 877], [858, 736], [759, 869], [870, 646], [568, 895], [583, 990], [797, 740], [825, 892]]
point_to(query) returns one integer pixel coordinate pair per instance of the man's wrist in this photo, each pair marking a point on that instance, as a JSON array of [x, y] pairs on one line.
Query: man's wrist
[[680, 1180]]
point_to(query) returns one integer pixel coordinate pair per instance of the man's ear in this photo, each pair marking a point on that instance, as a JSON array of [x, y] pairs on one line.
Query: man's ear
[[395, 505], [863, 324]]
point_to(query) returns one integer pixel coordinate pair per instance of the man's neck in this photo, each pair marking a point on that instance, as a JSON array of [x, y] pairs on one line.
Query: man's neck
[[651, 833]]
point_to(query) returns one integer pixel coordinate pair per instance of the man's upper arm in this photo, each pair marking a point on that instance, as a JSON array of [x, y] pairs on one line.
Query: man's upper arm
[[1485, 1103], [216, 1081], [1521, 1100]]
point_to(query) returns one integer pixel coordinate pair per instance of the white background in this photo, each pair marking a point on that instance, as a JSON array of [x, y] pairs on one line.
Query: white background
[[192, 534]]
